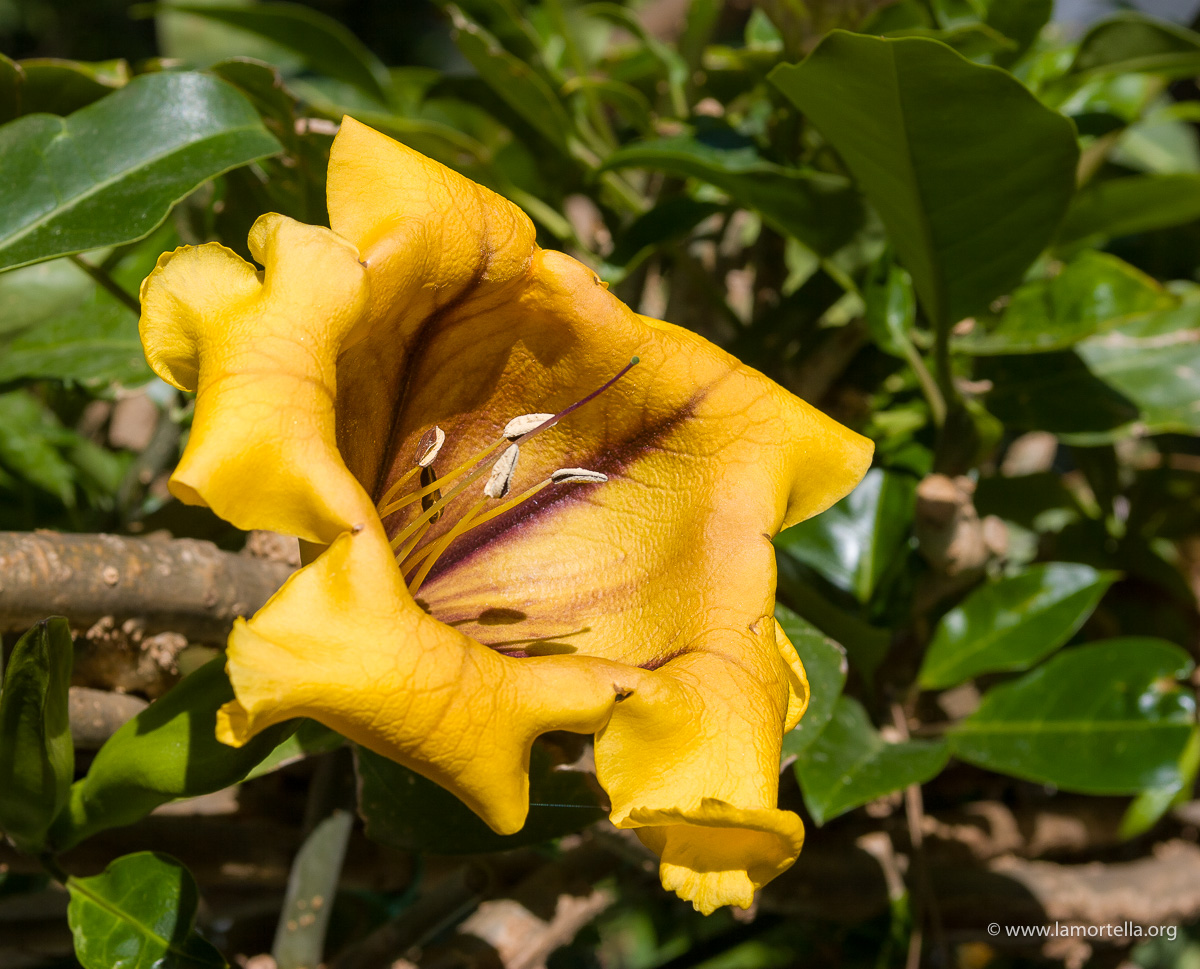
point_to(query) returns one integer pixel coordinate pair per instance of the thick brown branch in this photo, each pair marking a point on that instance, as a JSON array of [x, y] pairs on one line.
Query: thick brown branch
[[181, 585]]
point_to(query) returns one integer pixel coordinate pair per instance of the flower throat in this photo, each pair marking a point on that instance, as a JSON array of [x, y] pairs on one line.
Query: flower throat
[[417, 560]]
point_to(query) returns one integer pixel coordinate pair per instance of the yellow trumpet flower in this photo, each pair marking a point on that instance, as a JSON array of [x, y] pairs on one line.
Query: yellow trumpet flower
[[510, 527]]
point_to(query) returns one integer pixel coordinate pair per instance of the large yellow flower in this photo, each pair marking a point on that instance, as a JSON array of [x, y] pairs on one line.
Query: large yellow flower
[[618, 579]]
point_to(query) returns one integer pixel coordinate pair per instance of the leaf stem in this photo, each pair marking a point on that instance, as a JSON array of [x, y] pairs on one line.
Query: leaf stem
[[103, 279]]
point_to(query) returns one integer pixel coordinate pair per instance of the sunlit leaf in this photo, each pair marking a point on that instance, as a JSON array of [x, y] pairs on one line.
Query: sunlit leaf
[[969, 196], [1013, 622], [1105, 718], [110, 172]]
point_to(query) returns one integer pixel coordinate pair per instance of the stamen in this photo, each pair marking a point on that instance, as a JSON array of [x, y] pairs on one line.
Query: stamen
[[502, 473], [562, 476], [569, 475], [441, 545], [472, 462], [524, 424], [412, 543], [427, 449], [429, 477], [551, 421]]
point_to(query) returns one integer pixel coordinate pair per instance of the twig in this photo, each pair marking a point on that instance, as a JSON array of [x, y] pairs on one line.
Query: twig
[[914, 812], [106, 281], [180, 585]]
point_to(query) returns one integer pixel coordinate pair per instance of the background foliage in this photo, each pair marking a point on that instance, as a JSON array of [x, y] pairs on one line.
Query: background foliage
[[946, 222]]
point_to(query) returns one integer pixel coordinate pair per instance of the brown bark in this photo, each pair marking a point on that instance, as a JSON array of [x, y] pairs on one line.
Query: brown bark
[[179, 585]]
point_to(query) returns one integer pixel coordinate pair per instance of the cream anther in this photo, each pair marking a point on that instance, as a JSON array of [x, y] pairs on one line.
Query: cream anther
[[568, 475], [501, 477], [428, 447], [519, 426]]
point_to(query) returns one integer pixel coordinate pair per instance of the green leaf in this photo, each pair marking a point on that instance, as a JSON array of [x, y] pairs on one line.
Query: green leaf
[[819, 209], [850, 764], [29, 435], [110, 172], [667, 222], [316, 870], [1132, 43], [322, 43], [1105, 718], [1153, 361], [59, 86], [1148, 807], [865, 645], [405, 810], [168, 751], [517, 84], [1012, 623], [825, 666], [37, 757], [1019, 20], [1055, 392], [970, 173], [891, 308], [853, 543], [140, 913], [1094, 292], [311, 738], [58, 323], [12, 78], [1135, 203]]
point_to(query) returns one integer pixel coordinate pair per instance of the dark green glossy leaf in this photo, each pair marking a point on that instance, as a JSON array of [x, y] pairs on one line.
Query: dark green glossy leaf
[[316, 870], [12, 78], [37, 757], [853, 543], [404, 810], [60, 86], [263, 85], [1129, 43], [891, 310], [670, 220], [1145, 811], [168, 751], [825, 666], [30, 437], [1093, 293], [1136, 203], [850, 764], [818, 209], [110, 172], [311, 738], [1054, 392], [517, 84], [1105, 718], [140, 913], [1012, 623], [866, 645], [60, 324], [1153, 361], [970, 173], [1019, 20], [325, 45]]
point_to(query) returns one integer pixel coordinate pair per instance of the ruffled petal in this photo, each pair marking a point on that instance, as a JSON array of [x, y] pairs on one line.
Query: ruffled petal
[[691, 761], [262, 359], [343, 643]]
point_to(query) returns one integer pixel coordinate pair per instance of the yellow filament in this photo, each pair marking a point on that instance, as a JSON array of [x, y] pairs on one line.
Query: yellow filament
[[459, 531], [406, 551], [433, 486], [442, 544], [397, 485]]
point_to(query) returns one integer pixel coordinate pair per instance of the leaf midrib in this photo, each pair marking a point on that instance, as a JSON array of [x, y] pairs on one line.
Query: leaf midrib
[[97, 187]]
